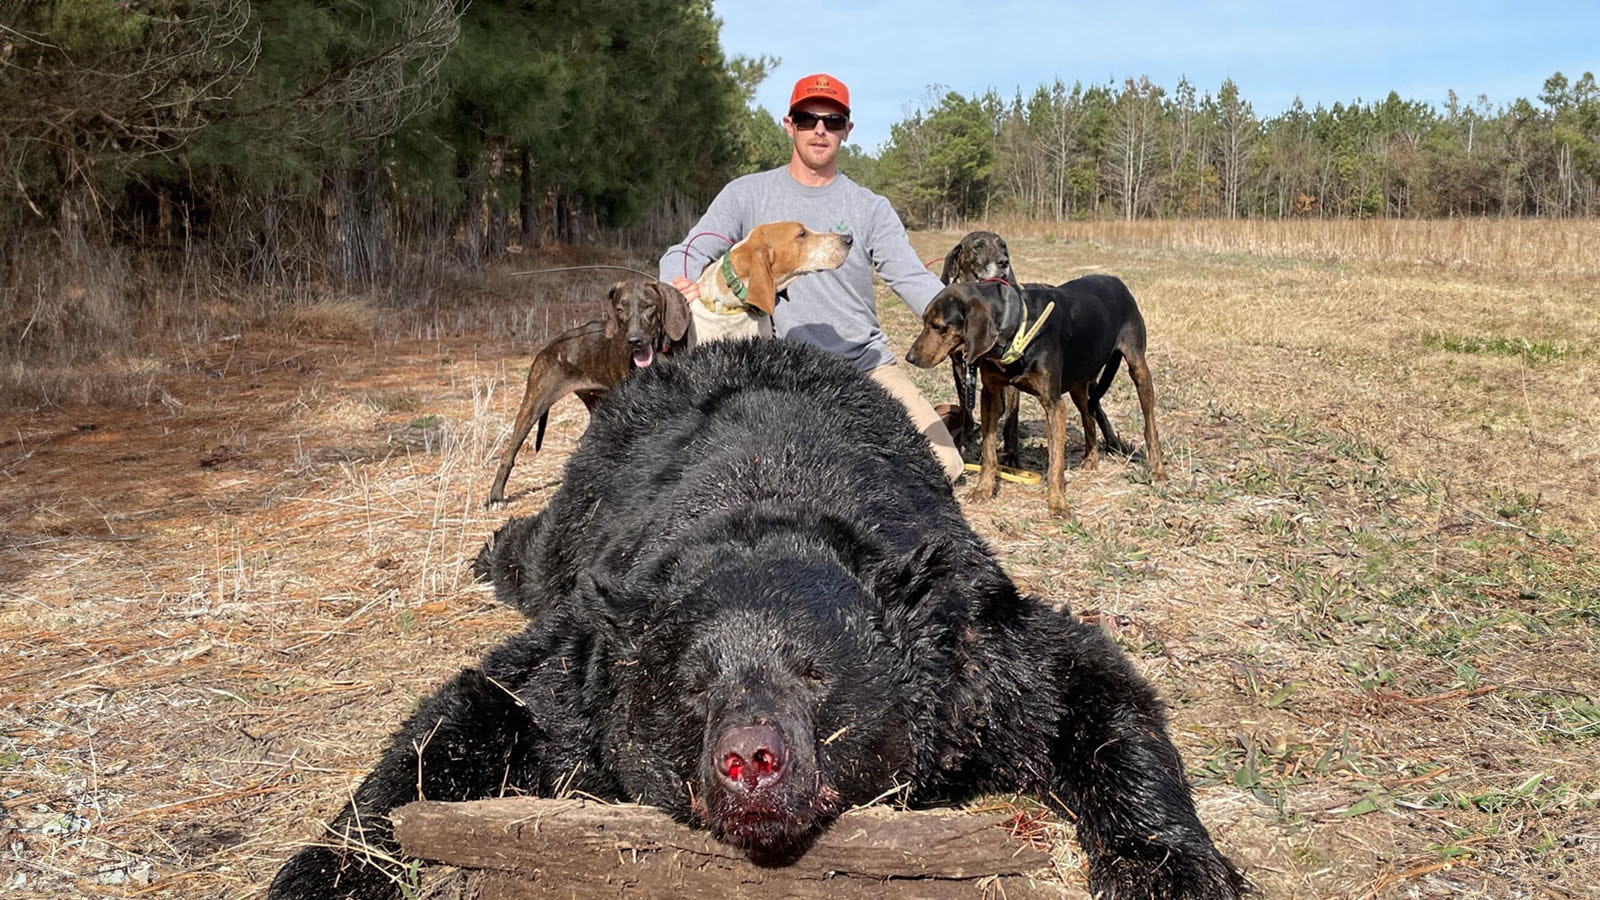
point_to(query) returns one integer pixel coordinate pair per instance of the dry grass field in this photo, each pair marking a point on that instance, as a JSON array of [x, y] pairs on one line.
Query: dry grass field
[[1370, 590]]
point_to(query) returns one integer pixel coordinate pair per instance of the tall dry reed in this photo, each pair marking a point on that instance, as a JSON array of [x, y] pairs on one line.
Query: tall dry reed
[[1553, 246]]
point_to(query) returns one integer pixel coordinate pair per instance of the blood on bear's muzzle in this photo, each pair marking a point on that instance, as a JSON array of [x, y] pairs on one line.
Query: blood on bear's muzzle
[[752, 758], [762, 793]]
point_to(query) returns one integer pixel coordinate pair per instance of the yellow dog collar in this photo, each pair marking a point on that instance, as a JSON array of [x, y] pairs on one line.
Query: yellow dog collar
[[1025, 334]]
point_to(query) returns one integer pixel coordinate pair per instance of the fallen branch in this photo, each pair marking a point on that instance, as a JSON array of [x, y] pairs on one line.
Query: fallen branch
[[529, 848]]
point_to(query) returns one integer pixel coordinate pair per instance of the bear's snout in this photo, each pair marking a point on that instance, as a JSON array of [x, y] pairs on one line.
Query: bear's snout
[[752, 757]]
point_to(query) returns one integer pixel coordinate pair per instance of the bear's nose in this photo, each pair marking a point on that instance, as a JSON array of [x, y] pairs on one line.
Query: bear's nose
[[751, 756]]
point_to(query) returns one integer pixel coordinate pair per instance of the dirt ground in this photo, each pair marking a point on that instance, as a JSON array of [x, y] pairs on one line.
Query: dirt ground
[[1369, 592]]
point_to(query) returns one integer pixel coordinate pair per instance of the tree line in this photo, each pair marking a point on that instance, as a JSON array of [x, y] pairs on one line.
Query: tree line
[[1140, 151], [298, 138], [297, 142]]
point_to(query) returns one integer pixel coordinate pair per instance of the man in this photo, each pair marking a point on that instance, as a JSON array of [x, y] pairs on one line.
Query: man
[[833, 309]]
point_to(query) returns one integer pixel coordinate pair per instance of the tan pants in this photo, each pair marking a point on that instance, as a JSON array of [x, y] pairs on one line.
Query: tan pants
[[898, 384]]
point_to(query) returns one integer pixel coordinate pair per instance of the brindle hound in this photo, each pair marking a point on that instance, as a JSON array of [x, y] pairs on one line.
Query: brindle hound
[[643, 318]]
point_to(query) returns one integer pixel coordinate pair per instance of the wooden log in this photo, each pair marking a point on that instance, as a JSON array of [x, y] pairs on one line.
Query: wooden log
[[531, 848]]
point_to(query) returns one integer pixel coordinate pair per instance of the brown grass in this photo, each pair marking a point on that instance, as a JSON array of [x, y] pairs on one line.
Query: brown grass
[[1550, 246], [1369, 590]]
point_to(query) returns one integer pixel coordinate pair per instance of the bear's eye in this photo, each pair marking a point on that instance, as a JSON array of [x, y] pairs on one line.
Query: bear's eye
[[700, 683], [810, 673]]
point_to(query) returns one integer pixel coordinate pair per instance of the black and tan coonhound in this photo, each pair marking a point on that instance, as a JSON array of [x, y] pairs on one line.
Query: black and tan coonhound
[[1048, 342]]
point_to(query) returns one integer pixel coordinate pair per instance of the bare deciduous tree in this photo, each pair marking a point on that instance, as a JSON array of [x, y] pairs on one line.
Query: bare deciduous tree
[[395, 77], [1134, 144], [1236, 138], [391, 79]]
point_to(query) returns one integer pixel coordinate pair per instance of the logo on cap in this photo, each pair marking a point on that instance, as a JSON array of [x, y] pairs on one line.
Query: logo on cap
[[820, 86]]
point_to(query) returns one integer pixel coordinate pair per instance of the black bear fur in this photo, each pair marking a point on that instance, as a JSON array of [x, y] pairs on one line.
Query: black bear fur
[[754, 603]]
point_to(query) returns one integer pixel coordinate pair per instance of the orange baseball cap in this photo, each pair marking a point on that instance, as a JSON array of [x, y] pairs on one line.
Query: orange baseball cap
[[820, 87]]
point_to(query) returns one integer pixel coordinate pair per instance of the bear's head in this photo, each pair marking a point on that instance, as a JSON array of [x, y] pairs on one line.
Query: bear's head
[[768, 692]]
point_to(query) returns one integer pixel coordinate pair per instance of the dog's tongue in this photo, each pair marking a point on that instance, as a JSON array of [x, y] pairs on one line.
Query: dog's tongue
[[643, 356]]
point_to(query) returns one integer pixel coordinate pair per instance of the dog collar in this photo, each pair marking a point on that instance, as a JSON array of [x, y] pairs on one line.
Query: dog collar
[[1025, 333], [734, 284], [739, 291]]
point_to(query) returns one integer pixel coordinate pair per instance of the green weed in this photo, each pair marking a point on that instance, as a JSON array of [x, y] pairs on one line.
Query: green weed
[[1531, 351]]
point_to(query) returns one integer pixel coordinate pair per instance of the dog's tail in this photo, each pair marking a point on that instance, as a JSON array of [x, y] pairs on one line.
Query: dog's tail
[[538, 433], [1108, 434], [1107, 374]]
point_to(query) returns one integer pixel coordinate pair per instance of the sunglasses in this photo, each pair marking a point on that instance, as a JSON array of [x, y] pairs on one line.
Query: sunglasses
[[805, 121]]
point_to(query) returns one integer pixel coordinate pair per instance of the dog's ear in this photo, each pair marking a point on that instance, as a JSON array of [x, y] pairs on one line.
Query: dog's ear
[[615, 314], [752, 261], [952, 265], [674, 310], [979, 331]]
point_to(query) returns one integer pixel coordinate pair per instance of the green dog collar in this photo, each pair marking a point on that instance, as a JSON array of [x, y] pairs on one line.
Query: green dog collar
[[734, 284]]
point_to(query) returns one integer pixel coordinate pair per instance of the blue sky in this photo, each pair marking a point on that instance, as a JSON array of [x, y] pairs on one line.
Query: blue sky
[[893, 53]]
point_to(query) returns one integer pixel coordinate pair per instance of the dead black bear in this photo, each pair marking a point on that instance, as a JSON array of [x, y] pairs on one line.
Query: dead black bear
[[754, 604]]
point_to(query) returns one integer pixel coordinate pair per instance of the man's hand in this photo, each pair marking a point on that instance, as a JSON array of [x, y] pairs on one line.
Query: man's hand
[[687, 288]]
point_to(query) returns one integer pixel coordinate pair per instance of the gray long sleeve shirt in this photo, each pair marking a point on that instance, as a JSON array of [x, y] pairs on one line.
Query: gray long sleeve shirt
[[833, 310]]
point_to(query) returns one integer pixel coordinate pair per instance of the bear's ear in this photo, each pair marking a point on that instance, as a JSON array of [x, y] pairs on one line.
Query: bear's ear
[[903, 580], [603, 603], [504, 561], [947, 577]]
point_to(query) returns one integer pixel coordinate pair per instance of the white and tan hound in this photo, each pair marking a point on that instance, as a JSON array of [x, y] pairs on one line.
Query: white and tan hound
[[739, 292]]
